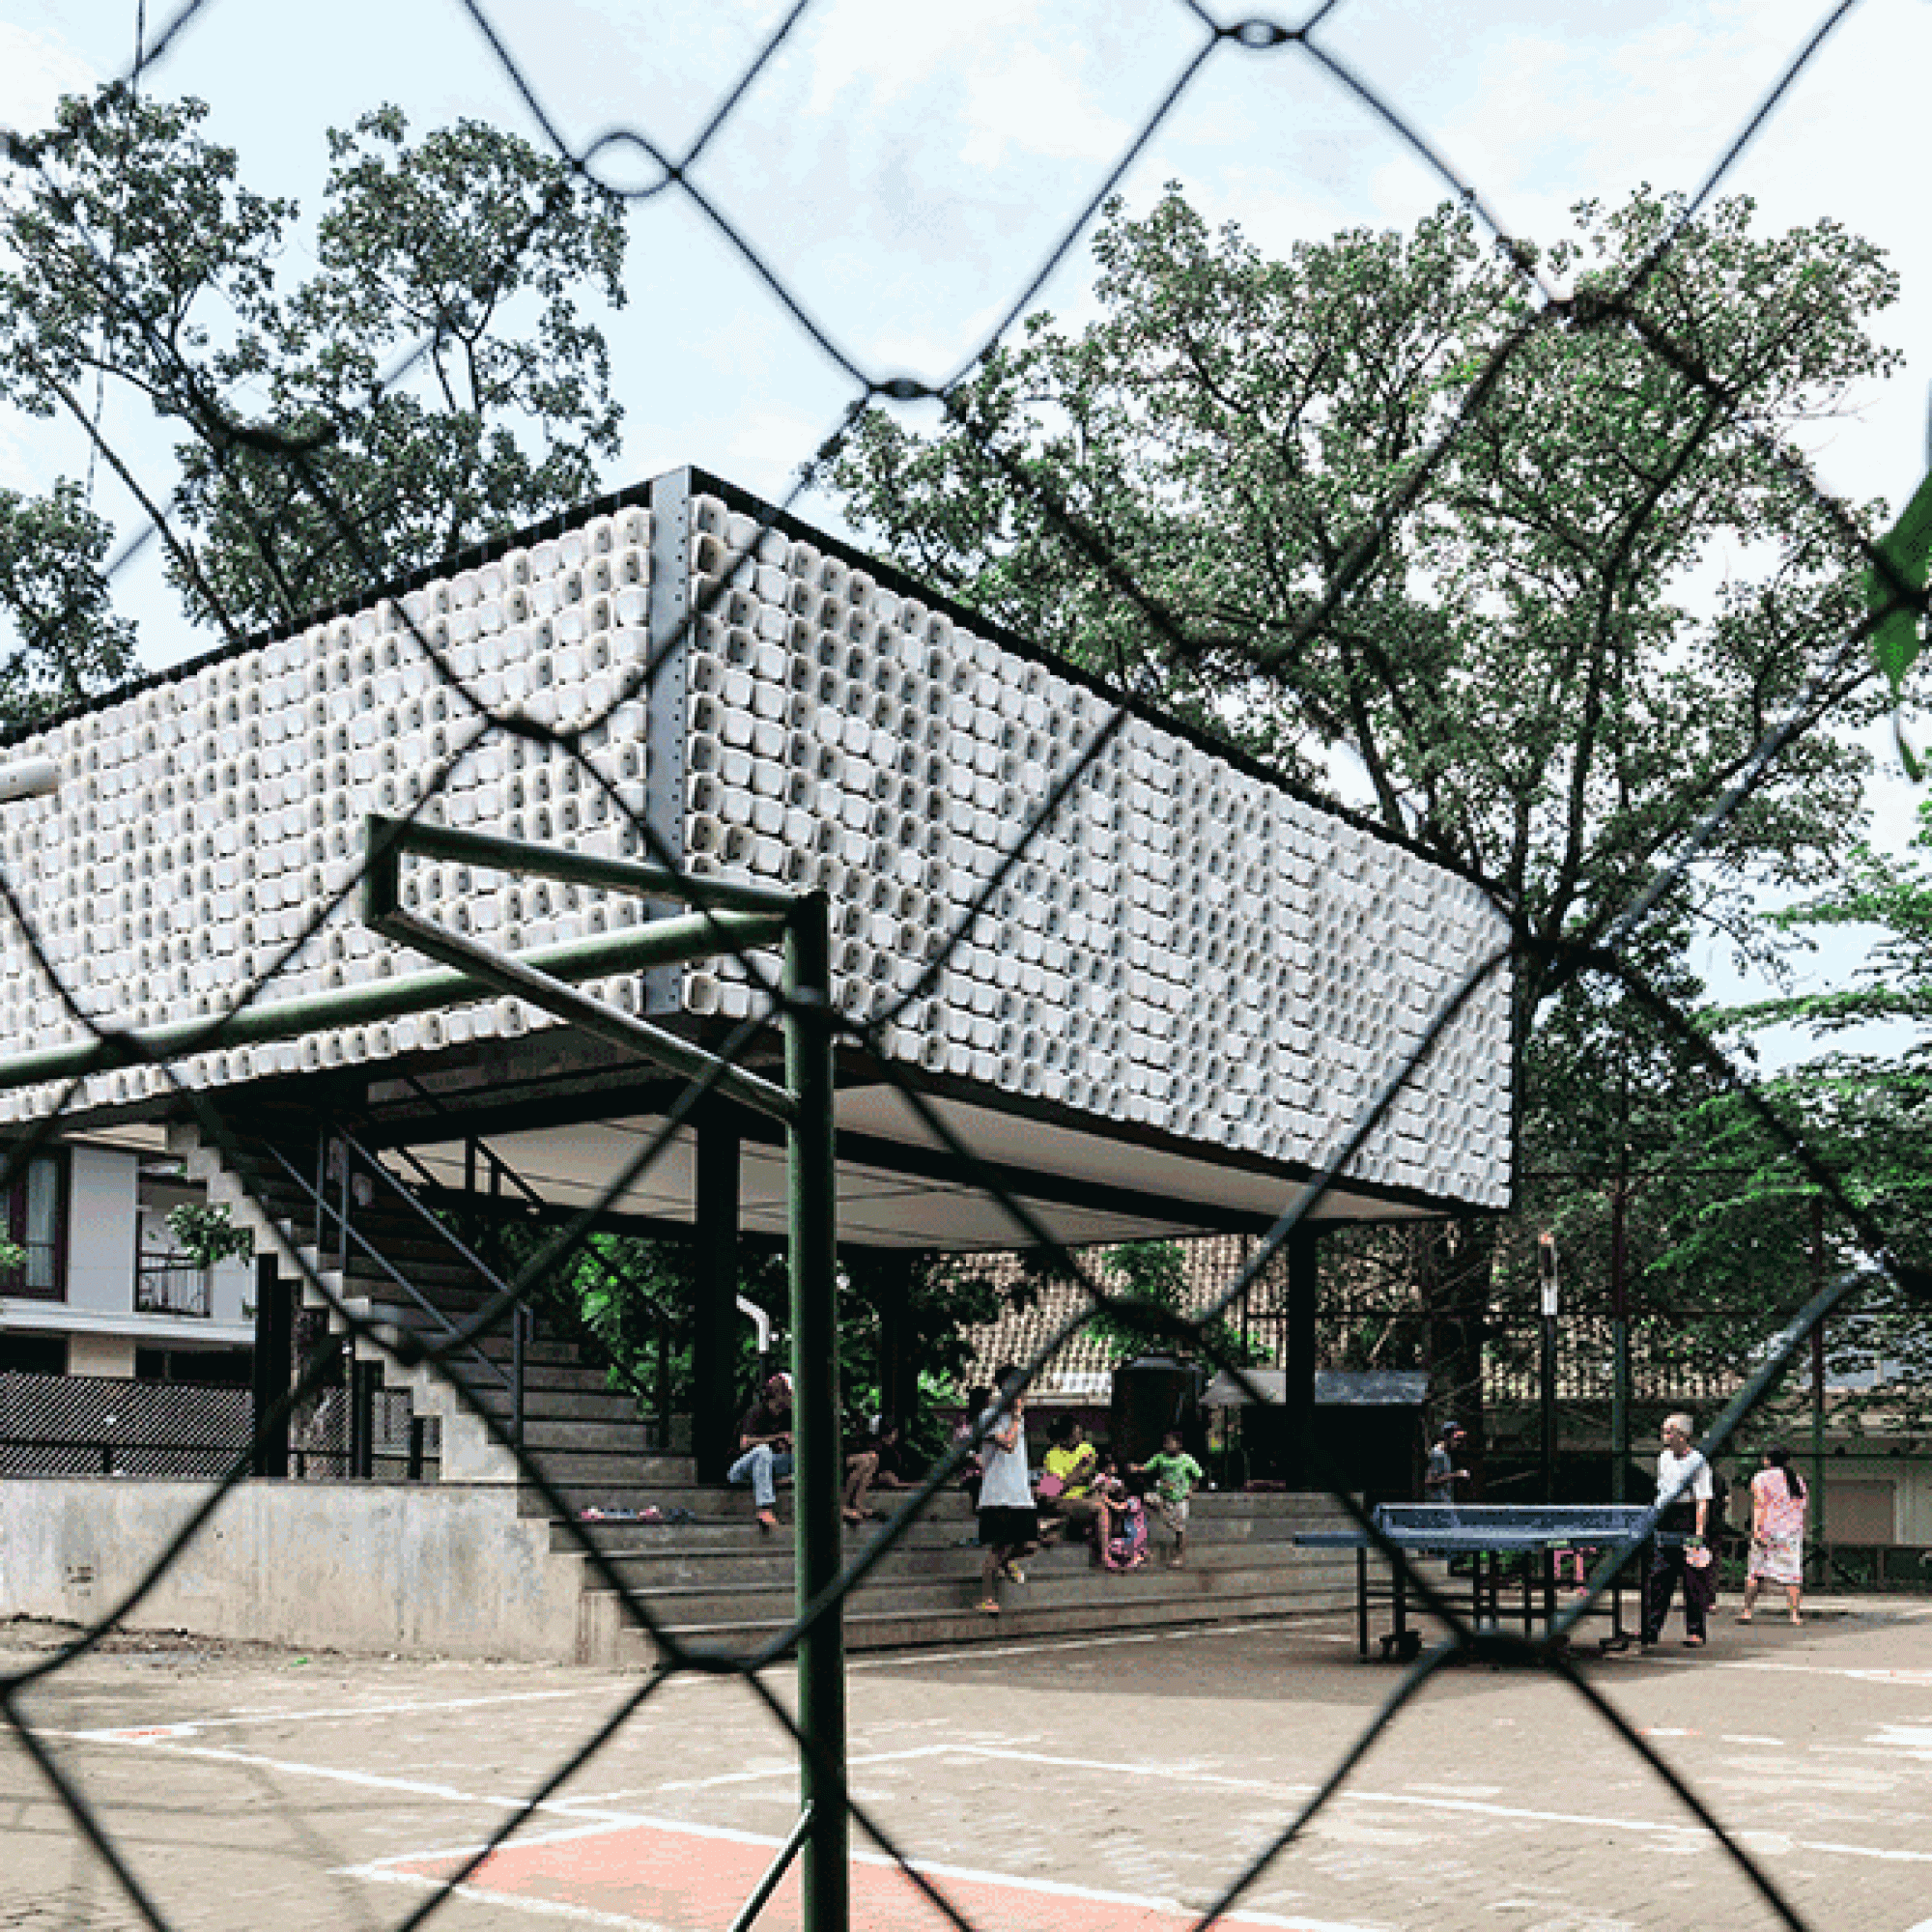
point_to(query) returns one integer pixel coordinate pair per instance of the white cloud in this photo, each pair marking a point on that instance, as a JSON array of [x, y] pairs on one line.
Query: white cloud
[[35, 72]]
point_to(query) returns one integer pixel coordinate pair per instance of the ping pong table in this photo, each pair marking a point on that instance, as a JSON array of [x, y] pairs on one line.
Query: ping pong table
[[1495, 1538]]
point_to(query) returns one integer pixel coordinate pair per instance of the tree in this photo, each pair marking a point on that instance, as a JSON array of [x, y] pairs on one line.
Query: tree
[[1865, 1113], [1529, 662], [432, 382], [67, 643], [1534, 683]]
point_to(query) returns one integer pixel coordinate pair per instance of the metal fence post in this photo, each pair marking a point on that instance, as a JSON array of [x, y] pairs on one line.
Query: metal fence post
[[519, 1332], [815, 1419], [1821, 1530], [1620, 1349]]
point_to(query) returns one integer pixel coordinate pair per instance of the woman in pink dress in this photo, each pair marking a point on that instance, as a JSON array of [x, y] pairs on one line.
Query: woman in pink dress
[[1777, 1531]]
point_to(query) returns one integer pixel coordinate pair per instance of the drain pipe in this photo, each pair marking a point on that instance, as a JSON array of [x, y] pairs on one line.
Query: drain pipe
[[761, 1327]]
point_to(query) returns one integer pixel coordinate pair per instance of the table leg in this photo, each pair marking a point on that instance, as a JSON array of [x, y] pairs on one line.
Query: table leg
[[1362, 1601]]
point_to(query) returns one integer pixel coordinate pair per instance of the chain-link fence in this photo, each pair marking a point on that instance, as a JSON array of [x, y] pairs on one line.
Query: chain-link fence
[[279, 471], [89, 1425]]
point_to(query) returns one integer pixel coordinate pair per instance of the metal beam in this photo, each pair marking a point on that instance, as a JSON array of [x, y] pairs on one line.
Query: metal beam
[[511, 975], [389, 840], [257, 1025]]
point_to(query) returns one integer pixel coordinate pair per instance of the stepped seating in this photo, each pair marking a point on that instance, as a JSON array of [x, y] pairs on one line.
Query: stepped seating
[[720, 1581]]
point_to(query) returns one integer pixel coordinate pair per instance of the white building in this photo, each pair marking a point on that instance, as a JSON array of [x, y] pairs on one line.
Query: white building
[[104, 1289]]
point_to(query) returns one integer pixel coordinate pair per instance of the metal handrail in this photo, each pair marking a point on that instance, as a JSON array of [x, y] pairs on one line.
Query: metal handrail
[[351, 1234], [501, 1167], [523, 1320]]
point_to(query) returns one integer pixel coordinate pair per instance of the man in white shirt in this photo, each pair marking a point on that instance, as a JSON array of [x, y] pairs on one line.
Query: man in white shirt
[[1684, 1492]]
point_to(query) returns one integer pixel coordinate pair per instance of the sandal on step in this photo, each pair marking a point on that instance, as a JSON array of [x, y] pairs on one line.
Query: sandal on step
[[990, 1605]]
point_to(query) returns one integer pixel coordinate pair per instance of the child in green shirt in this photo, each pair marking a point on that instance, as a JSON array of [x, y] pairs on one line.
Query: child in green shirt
[[1177, 1475]]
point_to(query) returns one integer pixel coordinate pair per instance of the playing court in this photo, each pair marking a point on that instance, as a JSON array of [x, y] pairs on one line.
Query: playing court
[[1100, 1782]]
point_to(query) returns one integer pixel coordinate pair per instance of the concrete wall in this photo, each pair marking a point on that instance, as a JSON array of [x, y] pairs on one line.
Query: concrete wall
[[101, 1230], [445, 1570], [231, 1292], [99, 1354]]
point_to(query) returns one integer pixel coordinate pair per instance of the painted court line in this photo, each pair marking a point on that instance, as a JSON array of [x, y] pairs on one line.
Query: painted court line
[[1042, 1645], [1414, 1801], [656, 1873], [853, 1761], [187, 1727], [1877, 1674], [363, 1780], [585, 1826]]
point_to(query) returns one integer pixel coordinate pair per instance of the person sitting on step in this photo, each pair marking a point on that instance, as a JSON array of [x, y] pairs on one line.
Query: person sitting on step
[[872, 1461], [1066, 1487], [764, 1447]]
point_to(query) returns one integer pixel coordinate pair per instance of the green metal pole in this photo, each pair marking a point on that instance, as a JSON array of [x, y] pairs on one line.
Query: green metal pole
[[1620, 1345], [815, 1431], [1820, 1530]]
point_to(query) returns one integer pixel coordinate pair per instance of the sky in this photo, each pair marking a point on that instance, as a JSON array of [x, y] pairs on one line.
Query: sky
[[904, 170]]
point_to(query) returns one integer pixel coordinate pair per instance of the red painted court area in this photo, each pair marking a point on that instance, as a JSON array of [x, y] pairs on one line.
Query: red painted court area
[[673, 1876]]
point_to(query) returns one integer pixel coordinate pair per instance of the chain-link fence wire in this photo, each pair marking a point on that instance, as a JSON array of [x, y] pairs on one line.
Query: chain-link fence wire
[[1601, 948]]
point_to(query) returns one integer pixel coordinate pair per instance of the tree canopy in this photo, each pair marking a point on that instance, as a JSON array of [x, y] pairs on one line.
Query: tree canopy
[[1603, 588], [68, 640], [1547, 573], [434, 379]]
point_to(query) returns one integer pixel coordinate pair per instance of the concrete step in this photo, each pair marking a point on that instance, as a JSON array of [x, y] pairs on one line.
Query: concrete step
[[663, 1479], [954, 1583], [545, 1436], [540, 1352], [1232, 1519], [715, 1531], [613, 1641], [1072, 1573], [940, 1527], [595, 1474], [442, 1276], [586, 1397]]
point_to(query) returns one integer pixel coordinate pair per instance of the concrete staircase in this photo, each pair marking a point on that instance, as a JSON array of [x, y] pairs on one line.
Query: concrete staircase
[[587, 1440]]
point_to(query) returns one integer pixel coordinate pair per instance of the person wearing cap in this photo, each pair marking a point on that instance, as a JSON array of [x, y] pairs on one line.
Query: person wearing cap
[[764, 1444], [1439, 1479], [1685, 1493]]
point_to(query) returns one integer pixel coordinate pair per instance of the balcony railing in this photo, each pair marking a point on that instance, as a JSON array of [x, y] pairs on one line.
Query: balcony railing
[[171, 1285]]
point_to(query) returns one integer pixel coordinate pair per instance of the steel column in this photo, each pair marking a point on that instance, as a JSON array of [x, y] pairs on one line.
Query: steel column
[[714, 1315], [816, 1421], [272, 1369], [1304, 1293]]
